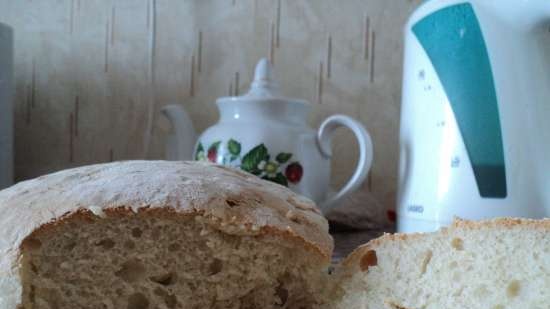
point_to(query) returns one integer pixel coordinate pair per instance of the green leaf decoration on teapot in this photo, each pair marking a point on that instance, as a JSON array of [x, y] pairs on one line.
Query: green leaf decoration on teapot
[[257, 161]]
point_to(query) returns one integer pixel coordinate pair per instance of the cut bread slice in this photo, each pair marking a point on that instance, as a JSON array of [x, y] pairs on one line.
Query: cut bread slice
[[159, 235], [497, 264]]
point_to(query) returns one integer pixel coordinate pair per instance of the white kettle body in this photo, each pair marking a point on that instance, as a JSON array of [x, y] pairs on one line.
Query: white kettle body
[[475, 134]]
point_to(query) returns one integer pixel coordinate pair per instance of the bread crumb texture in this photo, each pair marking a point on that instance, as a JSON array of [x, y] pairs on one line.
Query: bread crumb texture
[[147, 261], [496, 264]]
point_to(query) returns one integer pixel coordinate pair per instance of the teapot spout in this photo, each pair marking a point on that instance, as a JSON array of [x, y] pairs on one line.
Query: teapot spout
[[180, 144]]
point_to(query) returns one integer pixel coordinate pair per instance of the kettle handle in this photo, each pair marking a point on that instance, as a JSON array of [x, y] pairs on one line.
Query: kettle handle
[[324, 138]]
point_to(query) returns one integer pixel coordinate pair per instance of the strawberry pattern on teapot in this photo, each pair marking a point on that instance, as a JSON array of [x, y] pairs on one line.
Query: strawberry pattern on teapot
[[257, 161]]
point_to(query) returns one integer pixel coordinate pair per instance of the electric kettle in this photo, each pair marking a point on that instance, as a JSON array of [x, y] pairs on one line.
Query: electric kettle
[[475, 134], [266, 134]]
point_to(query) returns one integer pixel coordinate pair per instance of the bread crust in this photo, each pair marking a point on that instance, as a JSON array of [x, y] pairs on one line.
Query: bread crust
[[233, 201], [353, 261]]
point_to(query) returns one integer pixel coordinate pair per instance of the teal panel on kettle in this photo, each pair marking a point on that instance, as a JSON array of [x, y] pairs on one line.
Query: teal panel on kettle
[[454, 43]]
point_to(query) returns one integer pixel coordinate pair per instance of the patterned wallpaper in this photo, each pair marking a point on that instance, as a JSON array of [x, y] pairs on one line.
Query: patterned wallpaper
[[91, 75]]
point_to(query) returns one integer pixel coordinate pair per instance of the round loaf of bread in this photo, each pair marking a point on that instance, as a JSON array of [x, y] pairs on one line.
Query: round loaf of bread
[[159, 234]]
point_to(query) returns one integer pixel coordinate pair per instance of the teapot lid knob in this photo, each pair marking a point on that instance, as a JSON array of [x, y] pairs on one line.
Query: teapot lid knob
[[264, 84]]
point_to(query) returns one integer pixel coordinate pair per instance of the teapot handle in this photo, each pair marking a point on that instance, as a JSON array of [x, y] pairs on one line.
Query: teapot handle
[[324, 138]]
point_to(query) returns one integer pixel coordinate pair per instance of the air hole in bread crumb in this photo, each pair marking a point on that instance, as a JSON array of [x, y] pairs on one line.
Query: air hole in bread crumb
[[513, 289], [131, 271], [282, 293], [457, 243], [136, 232], [173, 247], [33, 244], [171, 301], [34, 269], [137, 301], [426, 261], [129, 244], [164, 279], [369, 259], [70, 246], [215, 267], [232, 203], [32, 293], [106, 243], [107, 304], [394, 305]]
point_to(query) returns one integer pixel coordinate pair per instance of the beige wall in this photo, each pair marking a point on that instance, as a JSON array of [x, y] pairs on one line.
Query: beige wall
[[101, 53]]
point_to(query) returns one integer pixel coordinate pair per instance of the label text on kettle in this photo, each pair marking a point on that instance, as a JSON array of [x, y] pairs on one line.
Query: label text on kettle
[[415, 208], [455, 162]]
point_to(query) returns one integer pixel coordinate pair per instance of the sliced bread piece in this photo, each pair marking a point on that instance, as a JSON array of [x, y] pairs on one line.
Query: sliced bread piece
[[497, 264], [159, 235]]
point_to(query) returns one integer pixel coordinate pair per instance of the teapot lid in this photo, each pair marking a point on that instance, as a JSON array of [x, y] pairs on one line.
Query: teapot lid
[[264, 86]]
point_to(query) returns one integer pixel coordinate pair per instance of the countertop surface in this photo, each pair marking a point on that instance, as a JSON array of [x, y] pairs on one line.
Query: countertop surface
[[346, 241]]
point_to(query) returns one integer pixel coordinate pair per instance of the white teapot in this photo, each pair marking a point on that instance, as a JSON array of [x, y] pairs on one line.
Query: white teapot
[[266, 134]]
